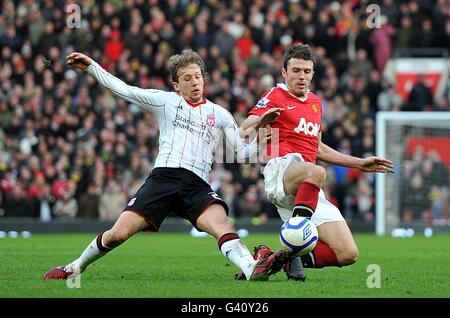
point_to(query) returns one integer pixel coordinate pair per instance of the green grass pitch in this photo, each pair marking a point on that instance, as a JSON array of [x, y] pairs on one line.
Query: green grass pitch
[[178, 266]]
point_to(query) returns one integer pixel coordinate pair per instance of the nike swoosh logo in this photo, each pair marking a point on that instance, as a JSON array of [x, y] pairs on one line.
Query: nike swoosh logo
[[291, 107]]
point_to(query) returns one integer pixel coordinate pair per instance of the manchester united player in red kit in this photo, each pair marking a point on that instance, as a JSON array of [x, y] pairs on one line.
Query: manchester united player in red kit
[[292, 178]]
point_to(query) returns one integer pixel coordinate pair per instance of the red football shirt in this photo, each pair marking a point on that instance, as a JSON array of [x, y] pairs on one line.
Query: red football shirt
[[298, 126]]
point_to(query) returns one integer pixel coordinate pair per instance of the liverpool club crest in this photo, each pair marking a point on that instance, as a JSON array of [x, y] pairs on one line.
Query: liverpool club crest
[[211, 120]]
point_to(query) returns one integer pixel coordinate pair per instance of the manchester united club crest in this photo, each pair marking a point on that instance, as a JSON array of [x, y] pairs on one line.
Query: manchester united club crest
[[211, 120], [314, 108]]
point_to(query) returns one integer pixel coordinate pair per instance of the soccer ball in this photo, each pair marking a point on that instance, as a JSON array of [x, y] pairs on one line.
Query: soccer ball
[[299, 235]]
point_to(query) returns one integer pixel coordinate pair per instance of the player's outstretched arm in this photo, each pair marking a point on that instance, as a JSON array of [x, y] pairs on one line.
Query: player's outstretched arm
[[147, 99], [370, 164], [376, 164]]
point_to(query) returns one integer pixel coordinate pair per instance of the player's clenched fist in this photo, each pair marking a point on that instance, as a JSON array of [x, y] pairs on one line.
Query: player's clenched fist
[[79, 60]]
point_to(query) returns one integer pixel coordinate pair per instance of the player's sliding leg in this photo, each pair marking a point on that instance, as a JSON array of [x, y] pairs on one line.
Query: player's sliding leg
[[322, 256], [303, 180], [294, 269], [335, 248], [215, 222], [259, 252], [300, 191], [126, 226]]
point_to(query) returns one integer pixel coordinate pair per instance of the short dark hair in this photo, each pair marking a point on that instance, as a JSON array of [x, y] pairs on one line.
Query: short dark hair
[[183, 59], [299, 51]]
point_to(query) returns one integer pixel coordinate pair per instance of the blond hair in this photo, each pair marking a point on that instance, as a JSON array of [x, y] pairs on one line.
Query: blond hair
[[185, 58]]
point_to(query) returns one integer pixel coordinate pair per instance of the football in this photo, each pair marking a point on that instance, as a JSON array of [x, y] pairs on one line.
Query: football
[[299, 235]]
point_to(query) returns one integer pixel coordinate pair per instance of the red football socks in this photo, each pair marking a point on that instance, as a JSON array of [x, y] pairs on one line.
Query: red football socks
[[306, 199], [321, 256]]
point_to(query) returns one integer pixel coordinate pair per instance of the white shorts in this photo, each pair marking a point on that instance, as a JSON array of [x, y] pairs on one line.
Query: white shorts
[[273, 180]]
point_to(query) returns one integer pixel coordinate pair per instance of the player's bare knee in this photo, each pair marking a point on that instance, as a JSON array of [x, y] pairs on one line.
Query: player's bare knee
[[217, 228], [214, 220], [349, 257], [203, 224], [117, 237], [316, 175], [226, 226]]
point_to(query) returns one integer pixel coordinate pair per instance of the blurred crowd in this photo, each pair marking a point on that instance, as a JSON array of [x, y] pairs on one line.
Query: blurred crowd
[[68, 148], [424, 191]]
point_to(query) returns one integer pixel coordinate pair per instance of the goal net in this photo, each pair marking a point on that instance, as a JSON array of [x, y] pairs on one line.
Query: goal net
[[416, 195]]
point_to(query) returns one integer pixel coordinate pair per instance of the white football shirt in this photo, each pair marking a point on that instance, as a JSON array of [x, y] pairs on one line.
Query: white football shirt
[[189, 134]]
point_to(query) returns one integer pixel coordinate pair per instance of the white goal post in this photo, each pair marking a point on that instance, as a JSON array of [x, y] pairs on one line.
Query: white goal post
[[416, 195]]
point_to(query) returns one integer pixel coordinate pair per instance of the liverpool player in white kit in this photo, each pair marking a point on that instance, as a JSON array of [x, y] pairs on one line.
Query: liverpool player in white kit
[[190, 130], [292, 178]]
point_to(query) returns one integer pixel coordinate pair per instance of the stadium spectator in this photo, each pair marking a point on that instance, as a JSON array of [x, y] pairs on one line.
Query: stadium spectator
[[426, 35], [46, 203], [224, 40], [380, 38], [111, 201], [389, 99], [66, 207], [404, 37], [17, 203], [416, 204], [365, 200], [88, 206], [248, 204], [420, 98]]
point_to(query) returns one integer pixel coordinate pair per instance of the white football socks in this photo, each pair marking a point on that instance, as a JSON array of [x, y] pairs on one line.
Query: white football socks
[[237, 253], [90, 254]]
